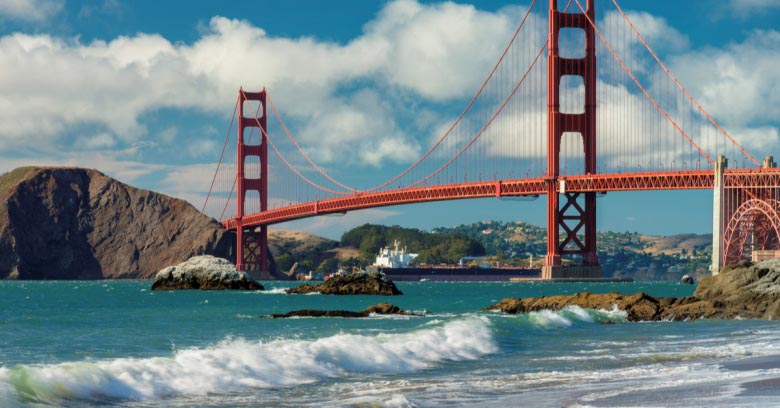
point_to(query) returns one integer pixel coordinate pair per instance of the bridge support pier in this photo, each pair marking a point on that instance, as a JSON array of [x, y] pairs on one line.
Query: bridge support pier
[[575, 215], [718, 216]]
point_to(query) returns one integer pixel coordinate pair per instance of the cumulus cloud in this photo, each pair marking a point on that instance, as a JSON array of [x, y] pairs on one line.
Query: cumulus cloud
[[30, 10], [655, 30], [738, 84], [428, 53], [64, 83], [745, 8], [109, 85]]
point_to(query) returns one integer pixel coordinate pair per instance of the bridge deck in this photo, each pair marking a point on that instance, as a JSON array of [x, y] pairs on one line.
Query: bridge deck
[[677, 180]]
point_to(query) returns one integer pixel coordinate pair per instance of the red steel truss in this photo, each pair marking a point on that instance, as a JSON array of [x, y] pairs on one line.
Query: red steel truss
[[686, 180]]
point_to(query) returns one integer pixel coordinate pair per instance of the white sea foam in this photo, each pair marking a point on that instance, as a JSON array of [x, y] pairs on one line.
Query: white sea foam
[[236, 364], [571, 314], [272, 291], [546, 318]]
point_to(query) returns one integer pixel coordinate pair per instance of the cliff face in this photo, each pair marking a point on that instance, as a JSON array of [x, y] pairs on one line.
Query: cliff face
[[69, 223]]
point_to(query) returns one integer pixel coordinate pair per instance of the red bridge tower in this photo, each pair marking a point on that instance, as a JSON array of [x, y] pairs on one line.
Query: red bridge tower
[[576, 215], [252, 243]]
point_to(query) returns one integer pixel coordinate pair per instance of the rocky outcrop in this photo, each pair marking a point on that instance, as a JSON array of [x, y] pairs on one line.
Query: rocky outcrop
[[379, 309], [687, 279], [745, 291], [70, 223], [357, 283], [639, 307], [751, 291], [205, 273]]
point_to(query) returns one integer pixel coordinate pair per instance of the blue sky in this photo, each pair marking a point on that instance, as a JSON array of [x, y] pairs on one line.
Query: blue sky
[[132, 88]]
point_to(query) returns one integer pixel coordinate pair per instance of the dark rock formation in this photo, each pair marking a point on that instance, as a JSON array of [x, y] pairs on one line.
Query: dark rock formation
[[69, 223], [745, 291], [205, 273], [358, 283], [379, 309]]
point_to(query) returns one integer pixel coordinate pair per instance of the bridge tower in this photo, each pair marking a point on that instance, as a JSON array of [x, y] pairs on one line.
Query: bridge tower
[[252, 243], [574, 214]]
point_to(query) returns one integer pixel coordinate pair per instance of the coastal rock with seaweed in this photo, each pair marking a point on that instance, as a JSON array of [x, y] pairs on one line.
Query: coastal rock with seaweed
[[741, 291], [356, 283], [205, 273]]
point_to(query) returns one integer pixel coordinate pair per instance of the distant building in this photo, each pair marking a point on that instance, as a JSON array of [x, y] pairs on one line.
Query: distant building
[[394, 258]]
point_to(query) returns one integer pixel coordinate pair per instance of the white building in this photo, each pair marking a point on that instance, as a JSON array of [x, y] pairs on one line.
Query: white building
[[394, 258]]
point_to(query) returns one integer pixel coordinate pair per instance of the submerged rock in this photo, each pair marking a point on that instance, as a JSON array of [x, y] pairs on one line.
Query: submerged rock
[[379, 309], [744, 291], [204, 272], [356, 283]]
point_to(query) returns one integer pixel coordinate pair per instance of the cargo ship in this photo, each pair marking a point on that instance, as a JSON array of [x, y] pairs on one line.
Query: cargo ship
[[397, 264]]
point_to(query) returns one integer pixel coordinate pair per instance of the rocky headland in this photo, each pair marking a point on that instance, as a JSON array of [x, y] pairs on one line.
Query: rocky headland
[[741, 291], [357, 283], [204, 272], [72, 223], [378, 309]]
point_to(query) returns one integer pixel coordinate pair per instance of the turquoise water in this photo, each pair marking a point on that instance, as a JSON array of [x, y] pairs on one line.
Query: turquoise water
[[117, 343]]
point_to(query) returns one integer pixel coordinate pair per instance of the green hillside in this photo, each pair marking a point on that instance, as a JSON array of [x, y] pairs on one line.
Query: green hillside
[[622, 254]]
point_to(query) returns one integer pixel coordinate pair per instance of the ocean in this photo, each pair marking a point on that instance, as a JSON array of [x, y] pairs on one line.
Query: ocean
[[116, 343]]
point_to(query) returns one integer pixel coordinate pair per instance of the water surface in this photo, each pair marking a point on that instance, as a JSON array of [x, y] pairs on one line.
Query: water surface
[[117, 343]]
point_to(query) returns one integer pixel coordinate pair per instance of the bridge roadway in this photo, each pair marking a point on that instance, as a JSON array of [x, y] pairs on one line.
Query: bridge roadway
[[675, 180]]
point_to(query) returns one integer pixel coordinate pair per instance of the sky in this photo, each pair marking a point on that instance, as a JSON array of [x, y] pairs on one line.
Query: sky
[[143, 90]]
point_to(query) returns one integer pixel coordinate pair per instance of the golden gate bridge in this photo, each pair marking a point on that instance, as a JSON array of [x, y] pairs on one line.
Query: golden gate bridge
[[576, 105]]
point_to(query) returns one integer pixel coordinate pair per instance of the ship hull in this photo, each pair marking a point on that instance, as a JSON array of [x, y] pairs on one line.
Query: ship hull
[[460, 274]]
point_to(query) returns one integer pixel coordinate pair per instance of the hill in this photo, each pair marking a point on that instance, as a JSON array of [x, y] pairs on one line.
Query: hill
[[308, 250], [72, 223], [433, 248], [622, 254]]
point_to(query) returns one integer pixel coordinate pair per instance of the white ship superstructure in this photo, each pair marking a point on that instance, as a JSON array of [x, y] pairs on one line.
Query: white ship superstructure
[[394, 258]]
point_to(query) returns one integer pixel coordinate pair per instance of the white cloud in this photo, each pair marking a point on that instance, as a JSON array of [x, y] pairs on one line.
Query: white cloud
[[409, 48], [739, 84], [30, 10], [110, 163], [97, 141], [440, 51], [65, 84], [744, 8], [361, 124], [655, 30]]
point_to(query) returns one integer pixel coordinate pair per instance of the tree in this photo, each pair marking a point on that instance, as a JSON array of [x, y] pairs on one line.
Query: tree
[[328, 265], [285, 261]]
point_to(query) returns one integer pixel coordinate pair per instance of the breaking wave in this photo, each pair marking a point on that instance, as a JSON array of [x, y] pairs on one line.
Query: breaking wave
[[236, 364], [569, 316]]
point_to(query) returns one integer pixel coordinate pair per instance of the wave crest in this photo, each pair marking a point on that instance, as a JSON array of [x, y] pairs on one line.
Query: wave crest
[[235, 364], [570, 315]]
